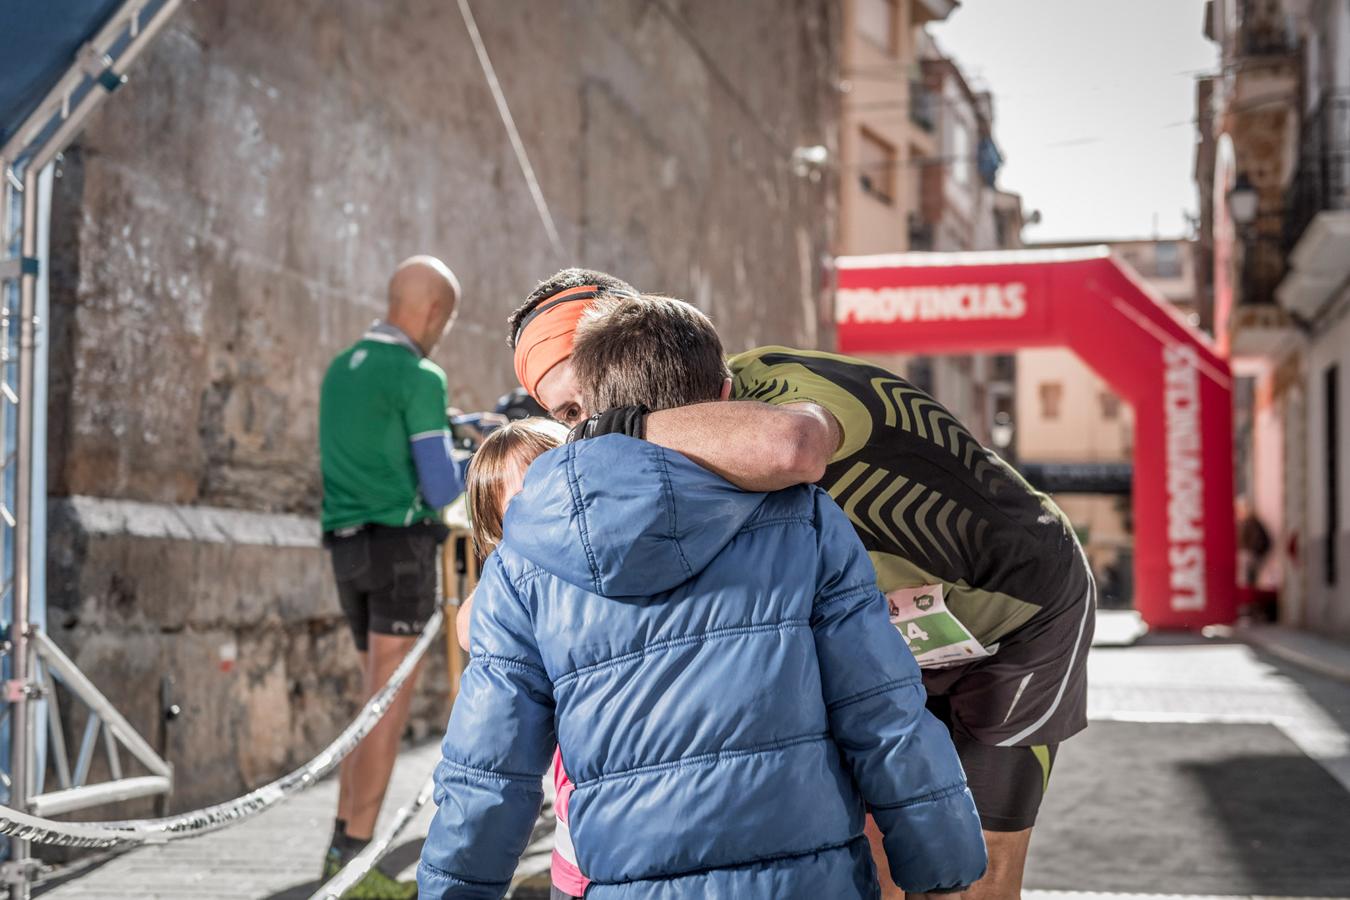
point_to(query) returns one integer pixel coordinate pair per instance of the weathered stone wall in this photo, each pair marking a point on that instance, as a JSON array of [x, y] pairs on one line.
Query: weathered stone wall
[[226, 224]]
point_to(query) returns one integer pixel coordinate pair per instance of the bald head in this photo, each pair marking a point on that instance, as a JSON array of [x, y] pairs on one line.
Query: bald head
[[423, 293]]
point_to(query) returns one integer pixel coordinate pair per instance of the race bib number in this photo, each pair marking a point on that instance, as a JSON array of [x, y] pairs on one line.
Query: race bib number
[[935, 636]]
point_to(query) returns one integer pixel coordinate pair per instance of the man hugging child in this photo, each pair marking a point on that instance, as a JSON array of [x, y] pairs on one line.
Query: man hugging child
[[715, 666]]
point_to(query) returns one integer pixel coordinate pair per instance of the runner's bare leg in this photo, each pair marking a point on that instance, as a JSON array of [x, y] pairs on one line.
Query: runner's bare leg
[[346, 767], [1007, 864], [1003, 879], [888, 889], [374, 757]]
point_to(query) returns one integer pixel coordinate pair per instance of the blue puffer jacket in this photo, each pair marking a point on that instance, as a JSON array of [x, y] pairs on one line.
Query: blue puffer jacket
[[720, 673]]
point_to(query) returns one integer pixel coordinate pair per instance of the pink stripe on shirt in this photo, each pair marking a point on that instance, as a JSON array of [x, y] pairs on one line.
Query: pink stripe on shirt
[[566, 876]]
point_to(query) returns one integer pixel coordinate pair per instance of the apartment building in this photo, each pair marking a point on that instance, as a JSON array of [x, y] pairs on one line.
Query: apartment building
[[1273, 172]]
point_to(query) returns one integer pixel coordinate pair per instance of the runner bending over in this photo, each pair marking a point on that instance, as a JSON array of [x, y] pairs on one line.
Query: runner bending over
[[984, 576]]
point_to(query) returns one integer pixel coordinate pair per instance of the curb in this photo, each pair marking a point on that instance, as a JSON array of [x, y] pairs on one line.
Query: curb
[[1118, 628], [1310, 661]]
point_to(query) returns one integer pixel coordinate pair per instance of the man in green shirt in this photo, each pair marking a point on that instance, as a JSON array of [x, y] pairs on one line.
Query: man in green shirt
[[385, 452]]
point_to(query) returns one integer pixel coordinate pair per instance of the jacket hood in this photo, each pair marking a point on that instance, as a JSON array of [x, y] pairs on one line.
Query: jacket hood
[[621, 517]]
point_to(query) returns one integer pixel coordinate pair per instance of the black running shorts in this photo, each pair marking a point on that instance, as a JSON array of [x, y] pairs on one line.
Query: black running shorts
[[1033, 689], [386, 578], [1008, 783]]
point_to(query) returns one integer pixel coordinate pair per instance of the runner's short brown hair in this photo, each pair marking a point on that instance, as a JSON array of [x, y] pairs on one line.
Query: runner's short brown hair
[[651, 350]]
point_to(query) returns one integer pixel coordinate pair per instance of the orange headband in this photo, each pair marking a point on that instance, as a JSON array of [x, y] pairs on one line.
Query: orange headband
[[545, 336]]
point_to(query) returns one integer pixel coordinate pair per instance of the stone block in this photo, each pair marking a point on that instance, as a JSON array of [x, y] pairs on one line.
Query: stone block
[[250, 634]]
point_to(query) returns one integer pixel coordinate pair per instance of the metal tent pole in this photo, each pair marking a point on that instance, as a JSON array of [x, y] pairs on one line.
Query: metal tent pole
[[18, 688], [37, 471]]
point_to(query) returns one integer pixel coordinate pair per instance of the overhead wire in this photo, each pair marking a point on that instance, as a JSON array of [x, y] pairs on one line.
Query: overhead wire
[[512, 133]]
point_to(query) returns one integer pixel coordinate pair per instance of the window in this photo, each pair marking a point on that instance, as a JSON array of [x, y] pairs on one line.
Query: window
[[1333, 452], [1167, 260], [1052, 393], [1110, 406], [876, 166], [1004, 367], [920, 374], [961, 161], [921, 106], [876, 22]]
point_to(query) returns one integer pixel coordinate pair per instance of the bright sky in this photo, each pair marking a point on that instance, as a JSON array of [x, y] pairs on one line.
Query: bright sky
[[1093, 107]]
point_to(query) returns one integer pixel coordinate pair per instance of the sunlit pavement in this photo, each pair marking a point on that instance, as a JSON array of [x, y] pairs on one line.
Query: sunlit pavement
[[277, 855], [1210, 769]]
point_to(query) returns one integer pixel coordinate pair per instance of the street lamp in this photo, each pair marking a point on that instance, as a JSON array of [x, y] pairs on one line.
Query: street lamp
[[1242, 201]]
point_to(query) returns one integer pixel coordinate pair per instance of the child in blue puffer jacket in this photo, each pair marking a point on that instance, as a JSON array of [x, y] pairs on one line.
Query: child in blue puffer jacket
[[720, 674]]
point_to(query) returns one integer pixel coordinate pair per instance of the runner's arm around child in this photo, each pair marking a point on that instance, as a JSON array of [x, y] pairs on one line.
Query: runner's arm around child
[[489, 782], [901, 757]]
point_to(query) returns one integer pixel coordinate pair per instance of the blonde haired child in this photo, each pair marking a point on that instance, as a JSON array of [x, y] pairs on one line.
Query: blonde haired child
[[497, 474]]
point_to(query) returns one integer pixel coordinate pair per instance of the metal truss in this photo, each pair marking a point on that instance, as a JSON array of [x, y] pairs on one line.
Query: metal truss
[[35, 662]]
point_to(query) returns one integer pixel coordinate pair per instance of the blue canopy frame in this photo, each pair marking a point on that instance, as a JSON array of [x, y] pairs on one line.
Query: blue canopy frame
[[38, 41], [61, 57]]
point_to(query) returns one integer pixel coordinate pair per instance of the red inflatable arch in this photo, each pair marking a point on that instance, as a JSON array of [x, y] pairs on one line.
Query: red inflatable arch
[[1084, 300]]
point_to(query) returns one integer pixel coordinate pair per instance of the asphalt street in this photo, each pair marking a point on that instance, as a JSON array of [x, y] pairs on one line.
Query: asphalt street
[[1208, 769]]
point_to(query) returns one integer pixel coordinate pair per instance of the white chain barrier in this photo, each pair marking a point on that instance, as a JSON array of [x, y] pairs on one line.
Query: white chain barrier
[[104, 835], [373, 852]]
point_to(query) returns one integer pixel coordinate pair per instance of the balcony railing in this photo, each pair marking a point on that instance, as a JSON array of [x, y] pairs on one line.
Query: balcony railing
[[1322, 181]]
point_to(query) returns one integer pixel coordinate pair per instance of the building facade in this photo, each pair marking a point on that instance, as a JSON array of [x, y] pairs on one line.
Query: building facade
[[888, 126], [959, 191], [963, 209], [1273, 171]]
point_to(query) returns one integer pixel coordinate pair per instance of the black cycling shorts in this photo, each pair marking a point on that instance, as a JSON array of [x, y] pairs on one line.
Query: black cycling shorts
[[1008, 783], [386, 578]]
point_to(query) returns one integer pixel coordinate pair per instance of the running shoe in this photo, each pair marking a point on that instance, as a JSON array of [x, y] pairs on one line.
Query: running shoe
[[375, 886], [379, 886], [332, 863]]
